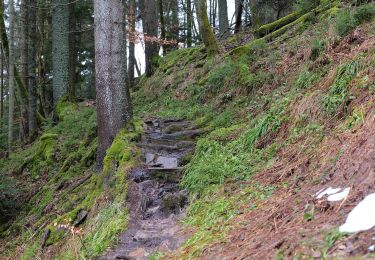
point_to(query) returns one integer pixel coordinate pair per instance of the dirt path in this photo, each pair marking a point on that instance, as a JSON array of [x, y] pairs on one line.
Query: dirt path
[[156, 202]]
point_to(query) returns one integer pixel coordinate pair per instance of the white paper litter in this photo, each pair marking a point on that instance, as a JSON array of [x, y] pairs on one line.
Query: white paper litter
[[371, 248], [339, 196], [328, 191], [362, 216]]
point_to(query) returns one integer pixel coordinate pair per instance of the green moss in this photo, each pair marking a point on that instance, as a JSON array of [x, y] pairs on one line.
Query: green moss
[[47, 146], [268, 28], [64, 108]]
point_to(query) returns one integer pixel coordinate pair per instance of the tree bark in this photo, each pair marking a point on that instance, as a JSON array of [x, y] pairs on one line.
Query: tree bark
[[60, 49], [162, 24], [23, 24], [1, 90], [175, 25], [223, 18], [11, 76], [189, 22], [131, 24], [32, 86], [239, 11], [150, 29], [112, 93], [208, 36]]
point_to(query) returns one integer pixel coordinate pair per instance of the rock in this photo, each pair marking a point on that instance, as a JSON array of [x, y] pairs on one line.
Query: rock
[[45, 236], [139, 253], [174, 202], [81, 217]]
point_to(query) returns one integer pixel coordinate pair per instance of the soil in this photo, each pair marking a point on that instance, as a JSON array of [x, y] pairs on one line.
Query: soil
[[156, 202]]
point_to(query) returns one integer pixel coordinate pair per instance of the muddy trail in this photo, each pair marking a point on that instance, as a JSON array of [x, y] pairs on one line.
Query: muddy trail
[[156, 202]]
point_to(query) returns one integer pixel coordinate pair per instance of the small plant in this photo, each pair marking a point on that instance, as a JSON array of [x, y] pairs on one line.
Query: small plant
[[339, 92], [306, 79], [364, 13], [344, 22], [317, 48]]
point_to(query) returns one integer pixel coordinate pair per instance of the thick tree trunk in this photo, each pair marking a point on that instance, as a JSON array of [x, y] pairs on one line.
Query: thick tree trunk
[[112, 93], [150, 29], [208, 36], [189, 23], [60, 48], [223, 18], [11, 76], [33, 125], [23, 24], [239, 11], [72, 53], [1, 90], [131, 25]]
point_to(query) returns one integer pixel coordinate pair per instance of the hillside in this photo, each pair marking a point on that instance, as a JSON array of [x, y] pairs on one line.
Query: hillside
[[285, 114]]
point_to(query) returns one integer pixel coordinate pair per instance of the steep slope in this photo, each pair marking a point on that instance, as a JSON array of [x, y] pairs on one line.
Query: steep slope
[[288, 116]]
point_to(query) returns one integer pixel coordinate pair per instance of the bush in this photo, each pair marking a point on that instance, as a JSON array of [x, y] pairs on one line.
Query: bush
[[344, 23], [317, 48], [7, 202], [364, 13]]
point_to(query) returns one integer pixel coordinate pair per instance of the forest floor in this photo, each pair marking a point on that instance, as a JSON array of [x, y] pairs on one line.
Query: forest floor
[[280, 120]]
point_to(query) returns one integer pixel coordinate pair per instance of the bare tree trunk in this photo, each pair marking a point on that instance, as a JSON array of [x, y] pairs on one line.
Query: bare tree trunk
[[11, 76], [175, 25], [112, 93], [33, 124], [1, 90], [237, 27], [189, 21], [23, 24], [223, 18], [131, 24], [60, 48], [162, 24], [208, 36], [150, 29]]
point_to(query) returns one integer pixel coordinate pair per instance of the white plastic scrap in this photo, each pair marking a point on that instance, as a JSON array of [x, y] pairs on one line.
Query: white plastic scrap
[[339, 196], [336, 194], [371, 248], [362, 216], [328, 191]]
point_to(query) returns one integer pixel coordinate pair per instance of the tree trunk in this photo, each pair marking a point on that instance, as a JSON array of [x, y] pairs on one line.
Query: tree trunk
[[23, 24], [150, 29], [223, 18], [33, 125], [189, 21], [72, 52], [60, 48], [162, 24], [132, 61], [1, 91], [208, 36], [11, 75], [239, 11], [112, 94], [175, 25]]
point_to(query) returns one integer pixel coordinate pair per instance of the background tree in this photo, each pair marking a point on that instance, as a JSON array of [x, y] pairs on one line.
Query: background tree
[[150, 29], [131, 25], [60, 48], [223, 18], [11, 75], [32, 86], [205, 29], [112, 94]]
